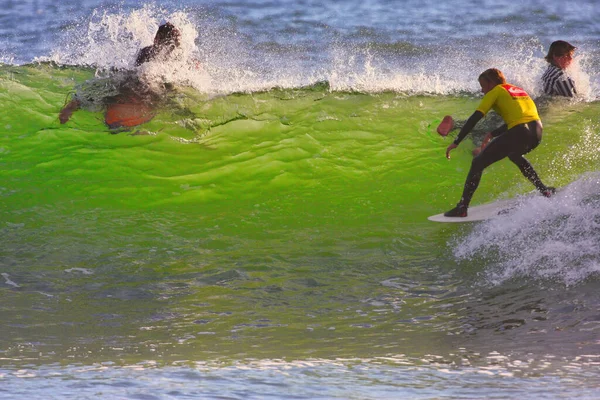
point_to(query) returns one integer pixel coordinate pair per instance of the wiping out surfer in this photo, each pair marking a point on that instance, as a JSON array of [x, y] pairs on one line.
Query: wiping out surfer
[[521, 133], [166, 40]]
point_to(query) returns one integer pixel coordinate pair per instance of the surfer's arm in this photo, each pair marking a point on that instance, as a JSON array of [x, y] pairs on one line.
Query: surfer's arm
[[67, 111], [464, 131], [146, 54], [468, 126]]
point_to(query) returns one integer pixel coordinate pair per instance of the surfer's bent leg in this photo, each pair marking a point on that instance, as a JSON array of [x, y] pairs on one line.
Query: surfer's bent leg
[[529, 137], [514, 143], [495, 151]]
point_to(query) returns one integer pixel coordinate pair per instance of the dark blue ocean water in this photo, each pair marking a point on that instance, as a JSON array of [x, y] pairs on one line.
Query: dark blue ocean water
[[30, 28], [34, 28]]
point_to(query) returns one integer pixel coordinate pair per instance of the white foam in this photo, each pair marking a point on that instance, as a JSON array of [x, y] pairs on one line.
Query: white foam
[[8, 281], [542, 238], [231, 62], [84, 271]]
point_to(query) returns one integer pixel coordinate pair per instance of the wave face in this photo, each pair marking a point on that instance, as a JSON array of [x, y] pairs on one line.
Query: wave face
[[272, 217]]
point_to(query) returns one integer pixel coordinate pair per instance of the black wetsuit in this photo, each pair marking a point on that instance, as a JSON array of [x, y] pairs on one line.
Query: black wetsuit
[[513, 143]]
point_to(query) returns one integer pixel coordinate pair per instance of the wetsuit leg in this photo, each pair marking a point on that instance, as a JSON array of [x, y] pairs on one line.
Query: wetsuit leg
[[528, 171], [533, 134], [515, 142]]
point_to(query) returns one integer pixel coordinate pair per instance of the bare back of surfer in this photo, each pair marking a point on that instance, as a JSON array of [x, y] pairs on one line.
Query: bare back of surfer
[[166, 40]]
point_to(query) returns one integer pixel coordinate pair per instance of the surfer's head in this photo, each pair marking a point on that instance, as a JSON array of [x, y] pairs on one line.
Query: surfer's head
[[490, 78], [167, 35], [560, 54]]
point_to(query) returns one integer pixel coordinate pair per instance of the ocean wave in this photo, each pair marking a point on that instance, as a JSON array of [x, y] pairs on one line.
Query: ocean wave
[[550, 239], [218, 59]]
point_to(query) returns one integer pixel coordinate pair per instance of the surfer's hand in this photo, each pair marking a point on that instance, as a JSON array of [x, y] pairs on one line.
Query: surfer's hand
[[449, 149], [64, 116], [486, 139], [67, 111]]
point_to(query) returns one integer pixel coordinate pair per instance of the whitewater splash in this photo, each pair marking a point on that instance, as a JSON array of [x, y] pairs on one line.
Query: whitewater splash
[[218, 59], [557, 238]]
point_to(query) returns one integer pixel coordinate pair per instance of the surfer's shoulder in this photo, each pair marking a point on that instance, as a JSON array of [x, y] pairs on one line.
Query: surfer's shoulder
[[144, 55]]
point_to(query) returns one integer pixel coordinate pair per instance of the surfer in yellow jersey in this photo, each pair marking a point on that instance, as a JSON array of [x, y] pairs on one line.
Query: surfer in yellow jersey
[[167, 39], [556, 81], [521, 133]]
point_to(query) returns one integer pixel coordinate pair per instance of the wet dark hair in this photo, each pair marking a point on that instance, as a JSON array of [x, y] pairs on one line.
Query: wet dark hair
[[493, 75], [168, 34], [557, 49]]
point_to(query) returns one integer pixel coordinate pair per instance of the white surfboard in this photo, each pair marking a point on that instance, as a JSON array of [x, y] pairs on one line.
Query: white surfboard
[[482, 212]]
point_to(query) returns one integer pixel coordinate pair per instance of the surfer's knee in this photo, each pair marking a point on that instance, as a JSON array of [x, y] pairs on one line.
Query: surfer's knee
[[521, 162], [479, 162]]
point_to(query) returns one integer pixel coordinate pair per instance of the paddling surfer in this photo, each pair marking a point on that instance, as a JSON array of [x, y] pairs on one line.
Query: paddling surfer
[[521, 133]]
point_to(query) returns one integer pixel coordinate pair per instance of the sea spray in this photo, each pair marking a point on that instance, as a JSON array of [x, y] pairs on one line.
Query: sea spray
[[555, 239], [217, 57]]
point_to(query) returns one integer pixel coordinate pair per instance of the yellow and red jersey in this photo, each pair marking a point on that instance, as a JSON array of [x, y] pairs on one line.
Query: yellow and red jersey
[[512, 103]]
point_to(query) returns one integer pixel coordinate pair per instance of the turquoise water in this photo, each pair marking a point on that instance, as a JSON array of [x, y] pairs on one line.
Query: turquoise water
[[266, 234]]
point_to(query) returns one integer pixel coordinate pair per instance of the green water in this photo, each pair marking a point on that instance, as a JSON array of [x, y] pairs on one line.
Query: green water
[[281, 224]]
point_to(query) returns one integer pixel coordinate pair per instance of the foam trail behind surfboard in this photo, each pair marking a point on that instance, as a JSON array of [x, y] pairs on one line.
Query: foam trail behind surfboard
[[484, 211]]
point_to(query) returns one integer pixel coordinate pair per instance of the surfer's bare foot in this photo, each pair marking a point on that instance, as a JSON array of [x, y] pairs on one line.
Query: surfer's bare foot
[[66, 113], [458, 211], [549, 192], [445, 126]]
